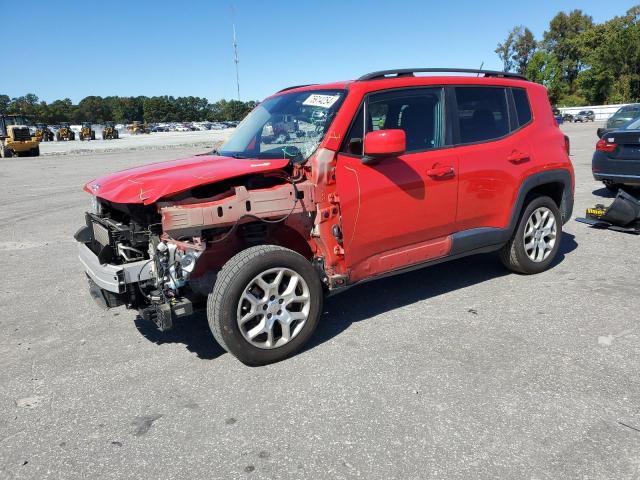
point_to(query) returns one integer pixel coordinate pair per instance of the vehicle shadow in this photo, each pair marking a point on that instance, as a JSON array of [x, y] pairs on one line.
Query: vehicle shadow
[[359, 303], [375, 298], [606, 193], [192, 331]]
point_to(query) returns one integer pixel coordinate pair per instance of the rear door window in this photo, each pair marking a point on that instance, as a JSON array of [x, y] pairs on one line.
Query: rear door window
[[482, 113]]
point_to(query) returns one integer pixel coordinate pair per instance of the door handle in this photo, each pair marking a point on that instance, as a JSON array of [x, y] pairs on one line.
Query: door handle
[[517, 157], [441, 173]]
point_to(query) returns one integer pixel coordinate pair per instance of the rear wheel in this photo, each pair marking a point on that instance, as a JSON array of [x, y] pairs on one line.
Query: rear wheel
[[6, 152], [536, 241], [265, 304], [35, 152]]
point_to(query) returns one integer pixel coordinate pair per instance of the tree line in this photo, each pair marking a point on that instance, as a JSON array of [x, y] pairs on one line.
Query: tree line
[[126, 109], [579, 61]]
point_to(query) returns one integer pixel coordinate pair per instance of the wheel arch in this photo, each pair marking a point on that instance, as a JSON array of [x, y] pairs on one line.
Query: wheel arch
[[557, 184]]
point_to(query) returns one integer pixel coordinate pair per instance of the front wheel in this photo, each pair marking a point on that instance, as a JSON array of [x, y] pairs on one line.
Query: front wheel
[[265, 304], [536, 241]]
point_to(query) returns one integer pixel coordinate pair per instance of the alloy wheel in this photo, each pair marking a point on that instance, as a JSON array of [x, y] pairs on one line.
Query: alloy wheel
[[540, 234], [273, 308]]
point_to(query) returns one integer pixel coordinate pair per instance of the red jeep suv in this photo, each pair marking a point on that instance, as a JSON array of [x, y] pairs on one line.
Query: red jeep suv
[[325, 186]]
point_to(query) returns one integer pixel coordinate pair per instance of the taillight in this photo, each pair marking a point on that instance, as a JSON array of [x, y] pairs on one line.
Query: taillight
[[567, 145], [606, 146]]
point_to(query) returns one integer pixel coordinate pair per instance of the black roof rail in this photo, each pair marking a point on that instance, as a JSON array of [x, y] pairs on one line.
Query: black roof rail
[[296, 86], [409, 72]]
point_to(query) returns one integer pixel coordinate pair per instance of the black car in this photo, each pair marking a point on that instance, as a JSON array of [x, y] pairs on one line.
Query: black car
[[567, 117], [616, 161], [585, 116]]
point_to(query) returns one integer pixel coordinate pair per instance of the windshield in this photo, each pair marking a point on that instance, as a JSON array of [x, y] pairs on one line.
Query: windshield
[[288, 126], [17, 120], [628, 111]]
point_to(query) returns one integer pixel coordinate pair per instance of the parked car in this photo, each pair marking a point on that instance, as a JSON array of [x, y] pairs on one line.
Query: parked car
[[585, 116], [616, 161], [603, 131], [567, 117], [622, 116], [395, 179], [558, 116]]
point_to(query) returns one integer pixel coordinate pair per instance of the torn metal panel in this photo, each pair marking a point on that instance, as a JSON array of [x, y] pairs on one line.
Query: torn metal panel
[[265, 203]]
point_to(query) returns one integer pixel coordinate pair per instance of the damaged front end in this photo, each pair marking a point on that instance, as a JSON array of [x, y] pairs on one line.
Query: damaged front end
[[162, 258], [128, 262]]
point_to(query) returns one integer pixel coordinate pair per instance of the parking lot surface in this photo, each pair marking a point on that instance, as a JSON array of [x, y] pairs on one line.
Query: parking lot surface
[[128, 142], [461, 370]]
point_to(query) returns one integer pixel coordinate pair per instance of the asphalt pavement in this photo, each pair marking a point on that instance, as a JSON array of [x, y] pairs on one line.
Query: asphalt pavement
[[461, 370]]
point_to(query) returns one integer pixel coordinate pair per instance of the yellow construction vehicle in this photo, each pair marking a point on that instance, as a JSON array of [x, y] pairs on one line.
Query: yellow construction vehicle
[[15, 137], [65, 132], [43, 133], [86, 133], [109, 131], [137, 127]]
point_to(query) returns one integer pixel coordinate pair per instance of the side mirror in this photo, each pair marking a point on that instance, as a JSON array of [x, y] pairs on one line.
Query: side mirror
[[384, 143]]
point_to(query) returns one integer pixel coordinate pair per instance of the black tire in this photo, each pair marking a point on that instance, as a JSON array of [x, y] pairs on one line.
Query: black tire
[[234, 277], [35, 152], [513, 254], [6, 152]]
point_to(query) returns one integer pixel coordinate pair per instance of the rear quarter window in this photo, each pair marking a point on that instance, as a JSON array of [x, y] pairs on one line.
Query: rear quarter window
[[523, 108]]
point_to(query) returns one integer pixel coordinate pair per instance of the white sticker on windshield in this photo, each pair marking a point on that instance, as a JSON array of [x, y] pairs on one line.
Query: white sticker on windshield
[[324, 101]]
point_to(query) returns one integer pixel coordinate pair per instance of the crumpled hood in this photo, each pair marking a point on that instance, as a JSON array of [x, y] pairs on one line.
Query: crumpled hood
[[149, 183]]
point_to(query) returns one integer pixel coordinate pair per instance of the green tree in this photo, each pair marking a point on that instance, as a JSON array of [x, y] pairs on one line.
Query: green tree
[[524, 47], [545, 68], [611, 53], [517, 49], [94, 109], [60, 111], [505, 51], [5, 101], [562, 40]]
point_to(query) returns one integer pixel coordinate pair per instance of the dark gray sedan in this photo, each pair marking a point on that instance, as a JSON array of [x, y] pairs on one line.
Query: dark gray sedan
[[616, 161]]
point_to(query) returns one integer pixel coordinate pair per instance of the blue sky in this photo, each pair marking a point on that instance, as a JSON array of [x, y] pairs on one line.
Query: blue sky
[[74, 49]]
